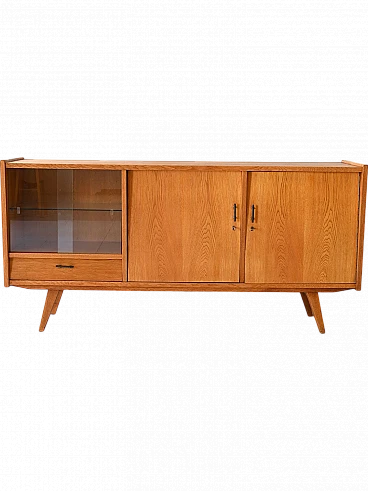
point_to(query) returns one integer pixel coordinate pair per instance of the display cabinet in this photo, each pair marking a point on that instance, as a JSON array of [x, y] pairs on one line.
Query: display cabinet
[[190, 226]]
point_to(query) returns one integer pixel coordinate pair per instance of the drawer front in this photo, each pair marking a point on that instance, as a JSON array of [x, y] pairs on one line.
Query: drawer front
[[66, 269]]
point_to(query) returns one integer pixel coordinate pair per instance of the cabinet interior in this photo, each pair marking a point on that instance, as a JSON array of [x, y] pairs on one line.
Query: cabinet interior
[[65, 211]]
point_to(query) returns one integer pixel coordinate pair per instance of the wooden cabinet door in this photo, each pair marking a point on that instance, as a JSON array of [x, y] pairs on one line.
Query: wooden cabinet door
[[305, 227], [180, 226]]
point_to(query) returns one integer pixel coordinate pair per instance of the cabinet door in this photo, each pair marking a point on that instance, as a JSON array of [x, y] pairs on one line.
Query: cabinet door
[[305, 227], [181, 226], [64, 210]]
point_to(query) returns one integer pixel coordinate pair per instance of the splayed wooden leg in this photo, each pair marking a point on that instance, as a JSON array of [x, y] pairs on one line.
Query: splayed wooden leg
[[57, 303], [314, 302], [306, 304], [52, 297]]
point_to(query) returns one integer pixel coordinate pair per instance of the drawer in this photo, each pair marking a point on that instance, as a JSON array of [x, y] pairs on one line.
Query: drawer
[[67, 269]]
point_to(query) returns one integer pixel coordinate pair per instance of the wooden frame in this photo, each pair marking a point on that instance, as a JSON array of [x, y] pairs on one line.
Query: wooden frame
[[309, 291], [362, 200], [124, 228], [13, 159], [4, 208], [219, 166], [243, 226]]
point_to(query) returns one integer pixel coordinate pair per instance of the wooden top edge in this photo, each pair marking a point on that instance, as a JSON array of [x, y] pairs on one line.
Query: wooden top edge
[[13, 160], [349, 162], [343, 166]]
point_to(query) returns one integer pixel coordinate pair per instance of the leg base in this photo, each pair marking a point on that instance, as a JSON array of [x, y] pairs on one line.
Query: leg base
[[51, 298], [313, 300]]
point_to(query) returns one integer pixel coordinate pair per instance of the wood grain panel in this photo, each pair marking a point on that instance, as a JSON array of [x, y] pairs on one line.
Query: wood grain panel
[[82, 269], [5, 229], [305, 228], [180, 226]]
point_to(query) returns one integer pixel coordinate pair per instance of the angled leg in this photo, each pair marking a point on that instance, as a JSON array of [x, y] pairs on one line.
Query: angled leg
[[313, 300], [307, 306], [50, 300], [56, 303]]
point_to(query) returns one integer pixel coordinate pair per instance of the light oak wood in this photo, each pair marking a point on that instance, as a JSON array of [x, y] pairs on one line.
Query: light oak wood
[[349, 162], [6, 160], [362, 207], [50, 301], [187, 286], [307, 306], [4, 208], [243, 226], [72, 269], [305, 228], [57, 302], [177, 227], [313, 300], [124, 225], [180, 226], [189, 166]]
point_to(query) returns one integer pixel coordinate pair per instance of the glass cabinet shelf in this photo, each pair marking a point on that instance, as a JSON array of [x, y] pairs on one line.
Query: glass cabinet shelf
[[65, 211]]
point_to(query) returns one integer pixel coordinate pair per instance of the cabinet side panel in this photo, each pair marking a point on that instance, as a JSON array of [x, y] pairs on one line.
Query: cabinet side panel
[[4, 210], [362, 207]]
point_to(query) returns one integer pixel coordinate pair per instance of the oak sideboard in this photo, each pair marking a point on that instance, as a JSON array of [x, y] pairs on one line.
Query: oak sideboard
[[184, 226]]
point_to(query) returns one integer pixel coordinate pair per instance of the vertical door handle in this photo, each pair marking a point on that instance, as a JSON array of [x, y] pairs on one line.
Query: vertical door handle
[[234, 210], [253, 213]]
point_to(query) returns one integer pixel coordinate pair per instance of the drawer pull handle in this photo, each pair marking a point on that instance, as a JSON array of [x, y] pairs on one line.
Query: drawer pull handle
[[64, 266]]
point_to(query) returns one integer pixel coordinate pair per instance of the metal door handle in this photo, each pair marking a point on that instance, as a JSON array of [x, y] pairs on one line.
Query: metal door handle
[[234, 209], [253, 213], [63, 266]]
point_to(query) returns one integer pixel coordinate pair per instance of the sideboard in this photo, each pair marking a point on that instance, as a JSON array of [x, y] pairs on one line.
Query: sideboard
[[184, 226]]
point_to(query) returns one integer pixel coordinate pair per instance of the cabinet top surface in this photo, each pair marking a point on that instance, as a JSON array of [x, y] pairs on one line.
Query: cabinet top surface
[[344, 166]]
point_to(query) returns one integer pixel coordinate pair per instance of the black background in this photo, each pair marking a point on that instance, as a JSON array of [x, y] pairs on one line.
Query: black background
[[184, 319]]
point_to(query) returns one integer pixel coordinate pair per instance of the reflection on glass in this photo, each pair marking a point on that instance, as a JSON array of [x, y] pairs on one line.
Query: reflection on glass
[[67, 211]]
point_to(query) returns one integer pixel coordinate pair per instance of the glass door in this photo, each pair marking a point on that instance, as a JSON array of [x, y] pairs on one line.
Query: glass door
[[66, 211]]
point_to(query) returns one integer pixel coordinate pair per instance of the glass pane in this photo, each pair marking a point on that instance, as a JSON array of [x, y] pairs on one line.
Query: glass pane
[[65, 211], [97, 231], [33, 231]]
